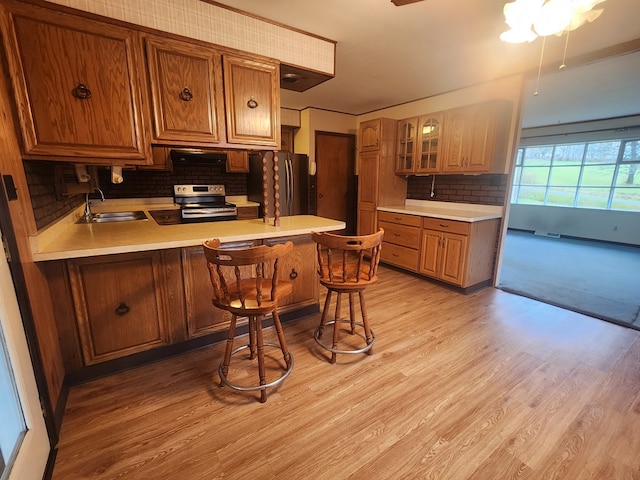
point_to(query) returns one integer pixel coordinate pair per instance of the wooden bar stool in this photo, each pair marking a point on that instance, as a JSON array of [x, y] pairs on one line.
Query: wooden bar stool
[[347, 264], [245, 282]]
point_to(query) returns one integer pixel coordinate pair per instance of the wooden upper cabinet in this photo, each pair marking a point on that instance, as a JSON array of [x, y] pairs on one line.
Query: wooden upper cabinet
[[405, 151], [429, 144], [477, 137], [76, 85], [252, 101], [237, 161], [370, 135], [186, 92], [460, 125]]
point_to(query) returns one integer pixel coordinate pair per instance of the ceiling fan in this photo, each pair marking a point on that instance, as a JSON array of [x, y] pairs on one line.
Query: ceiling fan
[[399, 3]]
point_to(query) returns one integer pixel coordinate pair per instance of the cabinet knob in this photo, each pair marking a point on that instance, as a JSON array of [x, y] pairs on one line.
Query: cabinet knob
[[122, 309], [293, 275], [81, 92], [252, 103], [185, 94]]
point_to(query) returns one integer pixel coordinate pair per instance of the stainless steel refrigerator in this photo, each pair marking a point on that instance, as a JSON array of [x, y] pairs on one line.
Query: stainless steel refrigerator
[[293, 172]]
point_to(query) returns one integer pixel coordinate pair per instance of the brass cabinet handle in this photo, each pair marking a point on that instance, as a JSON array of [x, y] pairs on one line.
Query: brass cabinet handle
[[122, 309], [81, 92], [293, 275], [185, 94], [252, 103]]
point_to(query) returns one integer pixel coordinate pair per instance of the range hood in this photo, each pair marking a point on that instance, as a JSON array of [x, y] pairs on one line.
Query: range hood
[[196, 155]]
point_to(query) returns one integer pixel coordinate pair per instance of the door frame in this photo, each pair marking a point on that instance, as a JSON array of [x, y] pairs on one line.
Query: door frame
[[33, 455], [352, 189]]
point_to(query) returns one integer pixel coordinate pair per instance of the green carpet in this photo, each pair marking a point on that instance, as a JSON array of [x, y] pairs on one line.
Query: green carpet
[[598, 279]]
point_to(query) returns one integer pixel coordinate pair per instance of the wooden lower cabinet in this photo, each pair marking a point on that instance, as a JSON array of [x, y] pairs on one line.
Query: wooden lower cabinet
[[456, 252], [113, 306], [201, 316], [247, 212], [401, 239], [300, 268], [461, 253], [121, 304]]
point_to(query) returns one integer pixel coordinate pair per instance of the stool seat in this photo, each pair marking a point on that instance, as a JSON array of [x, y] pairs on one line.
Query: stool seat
[[347, 264], [245, 282]]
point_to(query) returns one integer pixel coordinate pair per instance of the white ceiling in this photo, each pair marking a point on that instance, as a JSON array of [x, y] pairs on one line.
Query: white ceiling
[[388, 55]]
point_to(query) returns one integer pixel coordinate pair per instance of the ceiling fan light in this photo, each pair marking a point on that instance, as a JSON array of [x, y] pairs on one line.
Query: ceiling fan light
[[520, 14], [518, 35], [554, 17]]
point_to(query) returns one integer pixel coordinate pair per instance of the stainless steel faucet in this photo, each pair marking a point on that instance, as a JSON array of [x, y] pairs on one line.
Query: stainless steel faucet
[[87, 203]]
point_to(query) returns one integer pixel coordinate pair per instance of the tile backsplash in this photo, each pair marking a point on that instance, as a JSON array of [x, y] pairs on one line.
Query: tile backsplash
[[478, 189]]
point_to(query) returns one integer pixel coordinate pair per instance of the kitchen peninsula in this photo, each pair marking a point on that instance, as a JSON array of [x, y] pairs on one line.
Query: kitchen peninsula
[[133, 291]]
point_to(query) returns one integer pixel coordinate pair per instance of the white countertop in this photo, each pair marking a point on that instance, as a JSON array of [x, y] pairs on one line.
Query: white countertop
[[465, 212], [67, 239]]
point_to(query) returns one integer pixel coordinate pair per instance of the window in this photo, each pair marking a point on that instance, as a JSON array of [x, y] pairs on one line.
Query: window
[[602, 175]]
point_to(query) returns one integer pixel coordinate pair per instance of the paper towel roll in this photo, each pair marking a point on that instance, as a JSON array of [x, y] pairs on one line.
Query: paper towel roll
[[116, 174]]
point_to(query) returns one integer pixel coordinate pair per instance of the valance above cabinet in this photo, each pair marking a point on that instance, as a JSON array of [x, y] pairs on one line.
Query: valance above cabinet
[[76, 85]]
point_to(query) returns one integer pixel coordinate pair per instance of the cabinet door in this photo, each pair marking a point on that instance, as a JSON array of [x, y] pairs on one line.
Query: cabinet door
[[429, 144], [370, 133], [300, 268], [186, 90], [76, 86], [454, 258], [252, 101], [460, 123], [368, 192], [490, 137], [120, 303], [430, 255], [237, 161], [405, 151], [202, 316]]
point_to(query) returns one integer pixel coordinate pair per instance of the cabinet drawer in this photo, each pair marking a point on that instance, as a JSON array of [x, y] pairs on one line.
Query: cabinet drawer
[[401, 234], [247, 212], [400, 256], [402, 218], [446, 225]]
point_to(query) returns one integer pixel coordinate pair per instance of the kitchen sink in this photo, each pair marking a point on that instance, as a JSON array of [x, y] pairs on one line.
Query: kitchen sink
[[106, 217]]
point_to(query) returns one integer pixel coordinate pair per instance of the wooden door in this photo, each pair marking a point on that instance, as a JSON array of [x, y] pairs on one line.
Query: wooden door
[[76, 86], [186, 92], [252, 101], [335, 178]]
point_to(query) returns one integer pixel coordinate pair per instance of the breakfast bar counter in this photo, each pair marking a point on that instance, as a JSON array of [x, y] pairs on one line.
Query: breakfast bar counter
[[67, 239]]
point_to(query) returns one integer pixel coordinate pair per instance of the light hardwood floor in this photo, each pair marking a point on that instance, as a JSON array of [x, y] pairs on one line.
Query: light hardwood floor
[[485, 386]]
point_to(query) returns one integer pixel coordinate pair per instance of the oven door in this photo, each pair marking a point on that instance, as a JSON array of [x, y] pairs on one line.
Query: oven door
[[208, 214]]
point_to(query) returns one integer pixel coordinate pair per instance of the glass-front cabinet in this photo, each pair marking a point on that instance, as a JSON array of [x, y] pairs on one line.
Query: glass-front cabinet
[[429, 143], [405, 152]]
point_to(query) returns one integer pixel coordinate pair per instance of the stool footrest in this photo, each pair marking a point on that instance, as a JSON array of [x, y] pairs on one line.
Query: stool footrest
[[250, 388], [366, 348]]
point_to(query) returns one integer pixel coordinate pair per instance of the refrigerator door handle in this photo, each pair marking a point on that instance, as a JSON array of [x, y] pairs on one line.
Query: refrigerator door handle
[[290, 184]]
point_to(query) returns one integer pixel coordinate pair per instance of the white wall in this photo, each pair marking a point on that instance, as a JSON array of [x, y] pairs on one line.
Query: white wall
[[607, 225], [313, 120]]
